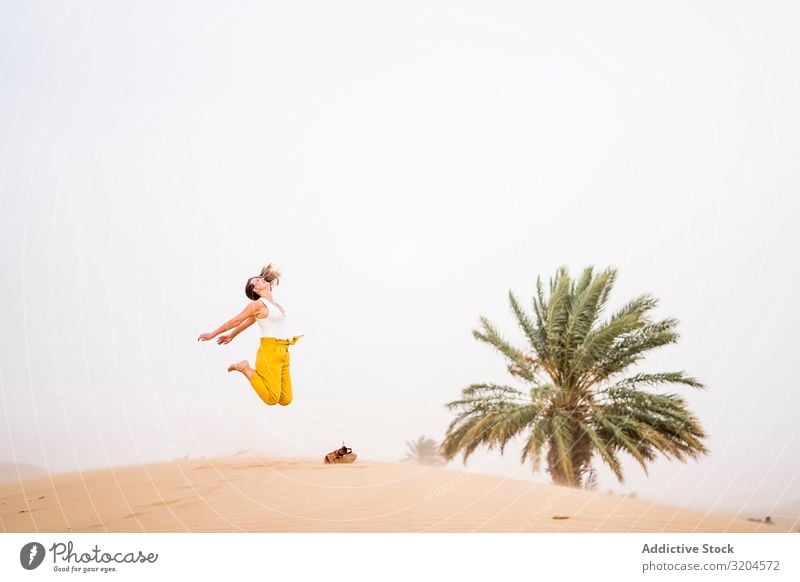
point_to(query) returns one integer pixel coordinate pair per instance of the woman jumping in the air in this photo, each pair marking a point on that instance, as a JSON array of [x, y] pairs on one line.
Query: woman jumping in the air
[[270, 379]]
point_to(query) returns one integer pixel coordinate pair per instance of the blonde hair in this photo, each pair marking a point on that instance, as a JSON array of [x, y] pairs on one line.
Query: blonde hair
[[270, 274]]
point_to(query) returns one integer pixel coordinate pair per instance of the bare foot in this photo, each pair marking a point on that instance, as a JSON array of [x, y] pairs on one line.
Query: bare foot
[[239, 366]]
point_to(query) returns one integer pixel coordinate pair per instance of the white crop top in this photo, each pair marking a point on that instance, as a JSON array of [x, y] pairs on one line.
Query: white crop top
[[274, 325]]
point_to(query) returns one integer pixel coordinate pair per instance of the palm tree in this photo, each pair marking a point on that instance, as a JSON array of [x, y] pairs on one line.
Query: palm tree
[[580, 403], [423, 451]]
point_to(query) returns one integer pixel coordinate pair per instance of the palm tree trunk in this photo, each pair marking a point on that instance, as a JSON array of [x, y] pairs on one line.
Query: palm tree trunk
[[579, 459]]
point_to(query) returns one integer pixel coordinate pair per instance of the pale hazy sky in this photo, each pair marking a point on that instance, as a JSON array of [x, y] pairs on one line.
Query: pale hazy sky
[[405, 166]]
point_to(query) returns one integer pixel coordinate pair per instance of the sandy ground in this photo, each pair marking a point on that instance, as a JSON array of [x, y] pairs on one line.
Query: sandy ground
[[304, 495]]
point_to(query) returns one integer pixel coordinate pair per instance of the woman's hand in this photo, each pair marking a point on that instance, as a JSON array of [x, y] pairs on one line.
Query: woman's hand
[[228, 338], [204, 337]]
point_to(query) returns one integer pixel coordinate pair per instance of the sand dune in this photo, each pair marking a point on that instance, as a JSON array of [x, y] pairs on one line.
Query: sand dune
[[303, 495], [15, 472], [786, 513]]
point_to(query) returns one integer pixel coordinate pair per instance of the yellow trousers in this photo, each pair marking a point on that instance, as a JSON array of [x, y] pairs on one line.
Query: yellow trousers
[[271, 379]]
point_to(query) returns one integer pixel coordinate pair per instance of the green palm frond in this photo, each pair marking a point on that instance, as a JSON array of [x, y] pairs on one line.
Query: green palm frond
[[557, 316], [537, 440], [584, 309], [604, 449], [631, 348], [472, 433], [660, 378], [540, 308], [491, 415], [510, 424], [485, 397], [543, 394], [620, 435], [661, 421], [533, 331], [607, 338], [520, 364], [583, 315]]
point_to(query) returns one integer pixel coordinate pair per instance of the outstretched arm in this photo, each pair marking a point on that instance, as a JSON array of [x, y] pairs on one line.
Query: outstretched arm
[[226, 339], [253, 309]]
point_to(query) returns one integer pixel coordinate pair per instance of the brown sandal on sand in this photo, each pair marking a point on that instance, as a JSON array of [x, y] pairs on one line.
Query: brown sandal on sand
[[343, 455]]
